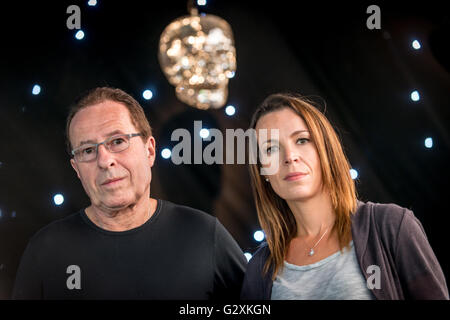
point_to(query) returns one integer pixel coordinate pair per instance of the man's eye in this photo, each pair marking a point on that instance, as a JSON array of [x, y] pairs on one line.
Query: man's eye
[[87, 150], [117, 141]]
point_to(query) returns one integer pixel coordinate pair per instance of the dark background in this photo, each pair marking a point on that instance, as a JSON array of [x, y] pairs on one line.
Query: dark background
[[322, 49]]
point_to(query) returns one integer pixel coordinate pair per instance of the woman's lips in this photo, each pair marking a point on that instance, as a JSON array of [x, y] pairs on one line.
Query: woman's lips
[[295, 176]]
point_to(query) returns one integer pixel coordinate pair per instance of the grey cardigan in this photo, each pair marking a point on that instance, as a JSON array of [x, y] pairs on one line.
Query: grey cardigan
[[385, 235]]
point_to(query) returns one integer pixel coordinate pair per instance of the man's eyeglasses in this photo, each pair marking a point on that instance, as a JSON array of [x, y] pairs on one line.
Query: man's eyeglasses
[[88, 152]]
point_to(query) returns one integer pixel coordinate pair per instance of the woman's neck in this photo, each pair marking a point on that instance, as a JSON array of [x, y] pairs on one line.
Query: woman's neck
[[314, 215]]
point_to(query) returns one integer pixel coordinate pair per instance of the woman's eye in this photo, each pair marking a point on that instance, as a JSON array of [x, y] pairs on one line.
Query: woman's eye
[[302, 140], [271, 149]]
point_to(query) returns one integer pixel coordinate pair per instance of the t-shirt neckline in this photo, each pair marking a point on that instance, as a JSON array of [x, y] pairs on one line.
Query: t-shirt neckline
[[316, 264]]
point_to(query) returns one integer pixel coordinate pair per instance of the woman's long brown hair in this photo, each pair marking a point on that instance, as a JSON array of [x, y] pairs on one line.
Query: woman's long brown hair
[[274, 214]]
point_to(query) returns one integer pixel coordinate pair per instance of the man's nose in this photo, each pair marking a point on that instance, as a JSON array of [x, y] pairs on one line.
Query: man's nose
[[105, 158]]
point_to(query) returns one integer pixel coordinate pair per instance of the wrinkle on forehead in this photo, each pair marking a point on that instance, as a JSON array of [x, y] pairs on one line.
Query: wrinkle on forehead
[[98, 121]]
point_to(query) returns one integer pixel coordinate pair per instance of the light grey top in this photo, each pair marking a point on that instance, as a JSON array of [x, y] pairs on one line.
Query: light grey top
[[337, 277]]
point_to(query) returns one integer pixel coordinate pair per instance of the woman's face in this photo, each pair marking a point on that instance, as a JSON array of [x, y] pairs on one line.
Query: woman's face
[[299, 175]]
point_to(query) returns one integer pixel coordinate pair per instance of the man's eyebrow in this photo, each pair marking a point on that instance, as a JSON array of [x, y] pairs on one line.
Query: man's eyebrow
[[110, 134], [86, 142]]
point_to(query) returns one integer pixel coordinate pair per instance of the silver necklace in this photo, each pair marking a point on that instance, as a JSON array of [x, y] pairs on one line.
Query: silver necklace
[[311, 251]]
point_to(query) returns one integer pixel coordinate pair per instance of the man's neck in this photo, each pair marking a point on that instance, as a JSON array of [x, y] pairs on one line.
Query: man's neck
[[124, 219]]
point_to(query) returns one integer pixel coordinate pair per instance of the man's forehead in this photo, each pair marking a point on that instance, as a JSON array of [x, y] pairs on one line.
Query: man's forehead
[[103, 111], [99, 120], [105, 107]]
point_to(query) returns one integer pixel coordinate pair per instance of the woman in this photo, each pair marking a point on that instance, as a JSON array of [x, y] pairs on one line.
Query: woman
[[322, 243]]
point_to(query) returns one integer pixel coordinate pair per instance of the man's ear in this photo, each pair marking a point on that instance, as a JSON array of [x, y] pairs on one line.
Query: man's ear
[[151, 150], [75, 167]]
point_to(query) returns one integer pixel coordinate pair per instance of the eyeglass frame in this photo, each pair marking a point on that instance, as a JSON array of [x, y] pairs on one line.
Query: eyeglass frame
[[96, 145]]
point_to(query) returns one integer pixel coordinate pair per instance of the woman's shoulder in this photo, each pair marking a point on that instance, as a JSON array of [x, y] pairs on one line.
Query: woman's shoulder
[[386, 220], [381, 213], [260, 256], [256, 281]]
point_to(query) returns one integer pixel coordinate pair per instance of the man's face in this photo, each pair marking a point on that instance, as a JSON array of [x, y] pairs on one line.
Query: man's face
[[113, 181]]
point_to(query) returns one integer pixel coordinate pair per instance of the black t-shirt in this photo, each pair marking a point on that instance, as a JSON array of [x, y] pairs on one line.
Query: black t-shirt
[[179, 253]]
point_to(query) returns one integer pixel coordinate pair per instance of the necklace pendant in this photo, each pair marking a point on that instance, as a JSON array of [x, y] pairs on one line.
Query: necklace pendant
[[311, 252]]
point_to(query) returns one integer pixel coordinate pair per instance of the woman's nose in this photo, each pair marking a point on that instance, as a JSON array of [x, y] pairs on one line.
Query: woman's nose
[[290, 157]]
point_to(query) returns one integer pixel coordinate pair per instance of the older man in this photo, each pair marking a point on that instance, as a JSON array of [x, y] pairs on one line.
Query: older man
[[125, 245]]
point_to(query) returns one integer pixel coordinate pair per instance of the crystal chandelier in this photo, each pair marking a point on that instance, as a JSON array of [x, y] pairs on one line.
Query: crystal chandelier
[[198, 57]]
